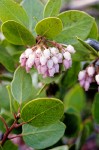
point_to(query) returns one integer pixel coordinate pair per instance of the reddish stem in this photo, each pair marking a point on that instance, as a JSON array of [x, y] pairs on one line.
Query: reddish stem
[[14, 126], [6, 126]]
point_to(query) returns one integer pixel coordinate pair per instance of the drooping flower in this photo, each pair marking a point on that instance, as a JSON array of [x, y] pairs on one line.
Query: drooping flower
[[89, 75], [47, 60]]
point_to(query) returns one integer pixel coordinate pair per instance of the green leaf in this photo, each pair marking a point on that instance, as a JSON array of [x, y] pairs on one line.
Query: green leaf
[[90, 49], [94, 31], [95, 108], [61, 148], [70, 77], [4, 98], [75, 23], [82, 52], [75, 98], [9, 145], [17, 34], [6, 60], [49, 27], [9, 10], [34, 9], [72, 122], [21, 85], [52, 8], [42, 137], [42, 111]]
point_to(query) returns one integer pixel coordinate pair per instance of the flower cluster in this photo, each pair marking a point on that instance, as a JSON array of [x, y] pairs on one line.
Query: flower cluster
[[47, 60], [89, 75]]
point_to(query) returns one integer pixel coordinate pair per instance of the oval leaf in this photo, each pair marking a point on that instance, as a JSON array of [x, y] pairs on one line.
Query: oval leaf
[[49, 27], [95, 108], [75, 23], [42, 112], [9, 10], [42, 137], [17, 34], [52, 8], [6, 59], [34, 9], [75, 98], [21, 85]]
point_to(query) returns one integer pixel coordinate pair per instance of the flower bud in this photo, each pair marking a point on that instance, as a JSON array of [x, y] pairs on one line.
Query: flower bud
[[47, 53], [91, 71], [22, 60], [67, 64], [51, 72], [43, 60], [54, 50], [38, 52], [86, 85], [55, 60], [30, 60], [82, 75], [97, 78], [43, 69], [50, 63], [67, 55], [56, 68], [70, 49], [28, 51], [82, 82]]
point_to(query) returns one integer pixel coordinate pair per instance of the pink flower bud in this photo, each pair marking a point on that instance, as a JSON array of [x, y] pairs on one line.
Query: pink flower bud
[[82, 82], [56, 68], [27, 69], [22, 60], [51, 72], [70, 49], [86, 85], [55, 60], [89, 79], [91, 71], [28, 51], [67, 64], [43, 69], [67, 55], [30, 61], [37, 61], [82, 75], [43, 60], [54, 50], [46, 74], [59, 56], [38, 52], [50, 63], [47, 53], [97, 78]]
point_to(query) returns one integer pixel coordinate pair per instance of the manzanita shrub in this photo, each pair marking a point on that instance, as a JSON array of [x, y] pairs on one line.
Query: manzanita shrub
[[45, 54]]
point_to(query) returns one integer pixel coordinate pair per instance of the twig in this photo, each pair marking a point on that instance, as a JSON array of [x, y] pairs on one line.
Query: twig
[[6, 126]]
